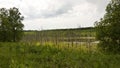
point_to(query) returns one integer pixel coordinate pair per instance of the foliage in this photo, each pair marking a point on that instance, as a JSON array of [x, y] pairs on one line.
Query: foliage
[[25, 55], [108, 29], [10, 24]]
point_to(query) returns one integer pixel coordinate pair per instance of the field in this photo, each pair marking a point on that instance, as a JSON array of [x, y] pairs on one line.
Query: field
[[24, 55], [82, 35], [75, 48]]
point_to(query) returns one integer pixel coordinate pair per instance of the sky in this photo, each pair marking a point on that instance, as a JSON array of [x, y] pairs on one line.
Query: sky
[[58, 14]]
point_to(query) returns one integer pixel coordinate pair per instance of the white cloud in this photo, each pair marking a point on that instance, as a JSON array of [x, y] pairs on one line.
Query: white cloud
[[51, 14]]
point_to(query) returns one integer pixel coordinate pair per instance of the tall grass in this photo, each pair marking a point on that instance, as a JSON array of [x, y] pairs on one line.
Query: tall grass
[[25, 55]]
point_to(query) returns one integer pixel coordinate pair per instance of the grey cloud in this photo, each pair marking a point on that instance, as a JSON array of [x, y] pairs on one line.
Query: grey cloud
[[34, 13], [67, 5], [62, 10]]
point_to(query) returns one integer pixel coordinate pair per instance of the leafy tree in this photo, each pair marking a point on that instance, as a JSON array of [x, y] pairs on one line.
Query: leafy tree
[[108, 29], [11, 26], [3, 24]]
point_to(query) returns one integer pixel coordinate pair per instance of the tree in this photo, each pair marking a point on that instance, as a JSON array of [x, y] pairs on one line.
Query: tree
[[11, 26], [3, 24], [108, 29]]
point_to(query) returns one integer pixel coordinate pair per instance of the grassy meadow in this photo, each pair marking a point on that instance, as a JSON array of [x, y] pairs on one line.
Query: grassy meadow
[[25, 55], [56, 49]]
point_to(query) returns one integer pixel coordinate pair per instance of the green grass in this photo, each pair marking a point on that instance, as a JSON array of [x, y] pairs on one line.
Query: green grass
[[25, 55]]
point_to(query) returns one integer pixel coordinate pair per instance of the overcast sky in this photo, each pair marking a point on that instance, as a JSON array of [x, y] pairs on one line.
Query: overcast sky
[[57, 14]]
